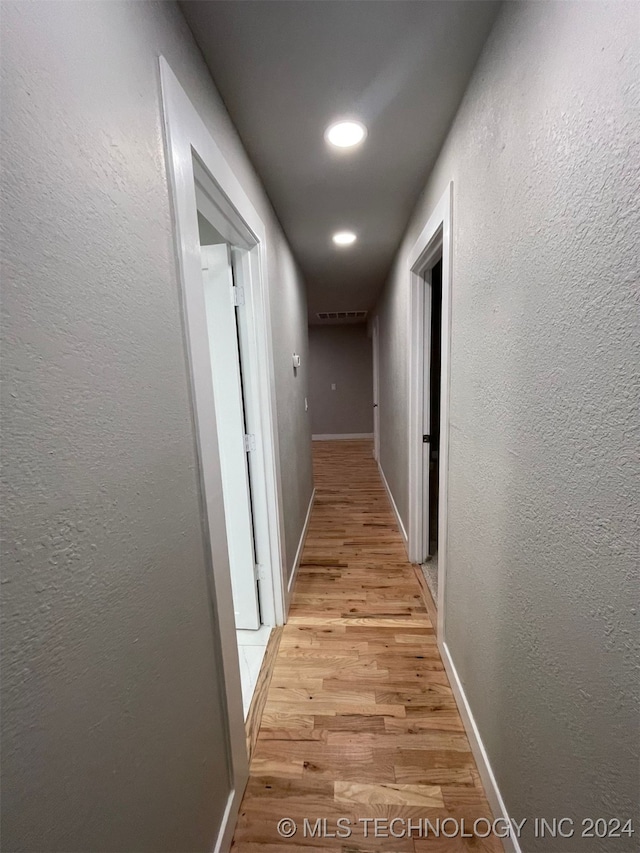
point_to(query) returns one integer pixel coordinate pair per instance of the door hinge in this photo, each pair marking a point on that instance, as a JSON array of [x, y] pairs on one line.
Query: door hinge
[[426, 439], [249, 442], [238, 295], [260, 573]]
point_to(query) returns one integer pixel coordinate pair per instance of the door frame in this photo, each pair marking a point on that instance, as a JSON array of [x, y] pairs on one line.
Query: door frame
[[193, 154], [435, 239]]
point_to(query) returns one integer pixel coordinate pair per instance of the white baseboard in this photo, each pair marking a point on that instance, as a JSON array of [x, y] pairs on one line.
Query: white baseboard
[[228, 825], [341, 436], [401, 526], [303, 536], [511, 843]]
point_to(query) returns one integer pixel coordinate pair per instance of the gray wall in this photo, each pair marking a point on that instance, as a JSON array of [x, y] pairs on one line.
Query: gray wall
[[112, 714], [542, 585], [340, 355]]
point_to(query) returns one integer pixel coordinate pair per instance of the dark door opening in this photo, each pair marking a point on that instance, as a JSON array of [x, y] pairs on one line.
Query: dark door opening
[[434, 408]]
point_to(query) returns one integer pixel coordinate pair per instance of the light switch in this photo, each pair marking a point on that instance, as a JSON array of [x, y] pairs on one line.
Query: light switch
[[333, 386], [306, 405]]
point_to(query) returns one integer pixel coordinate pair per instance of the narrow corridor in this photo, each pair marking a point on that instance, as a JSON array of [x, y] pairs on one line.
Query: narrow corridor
[[360, 720]]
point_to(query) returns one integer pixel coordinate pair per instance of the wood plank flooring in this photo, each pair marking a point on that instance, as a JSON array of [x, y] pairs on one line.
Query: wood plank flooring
[[254, 717], [360, 721]]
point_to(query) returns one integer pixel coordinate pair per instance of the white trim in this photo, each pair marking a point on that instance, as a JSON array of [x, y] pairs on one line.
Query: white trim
[[303, 536], [343, 436], [511, 844], [401, 526], [186, 137], [227, 825], [434, 239]]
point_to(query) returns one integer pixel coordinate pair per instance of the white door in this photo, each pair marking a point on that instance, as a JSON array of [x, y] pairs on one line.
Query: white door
[[426, 416], [227, 391]]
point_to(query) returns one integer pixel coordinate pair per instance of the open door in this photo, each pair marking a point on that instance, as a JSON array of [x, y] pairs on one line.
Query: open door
[[426, 420], [233, 443], [431, 409], [375, 346]]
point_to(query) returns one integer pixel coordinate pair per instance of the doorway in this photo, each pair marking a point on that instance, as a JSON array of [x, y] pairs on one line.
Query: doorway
[[431, 422], [203, 182], [234, 440], [228, 332], [375, 347], [429, 326]]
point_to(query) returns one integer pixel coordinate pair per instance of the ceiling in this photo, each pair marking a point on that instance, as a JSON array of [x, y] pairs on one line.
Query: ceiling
[[286, 68]]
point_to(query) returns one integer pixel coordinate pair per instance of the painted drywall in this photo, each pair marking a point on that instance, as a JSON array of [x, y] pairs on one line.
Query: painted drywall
[[340, 356], [113, 733], [288, 323], [542, 584]]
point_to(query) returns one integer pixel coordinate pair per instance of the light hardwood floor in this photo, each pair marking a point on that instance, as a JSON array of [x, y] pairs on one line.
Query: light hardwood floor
[[359, 721]]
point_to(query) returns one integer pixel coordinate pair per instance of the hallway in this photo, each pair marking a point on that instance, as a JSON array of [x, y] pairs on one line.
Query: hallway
[[243, 245], [360, 720]]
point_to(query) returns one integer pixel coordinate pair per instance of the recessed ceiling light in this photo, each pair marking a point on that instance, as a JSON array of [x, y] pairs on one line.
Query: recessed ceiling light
[[344, 238], [345, 134]]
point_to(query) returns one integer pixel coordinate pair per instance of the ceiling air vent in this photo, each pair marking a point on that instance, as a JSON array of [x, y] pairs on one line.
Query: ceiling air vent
[[342, 316]]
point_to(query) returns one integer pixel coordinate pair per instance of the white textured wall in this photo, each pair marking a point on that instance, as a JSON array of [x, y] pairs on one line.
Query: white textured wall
[[112, 720], [542, 589], [340, 355]]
